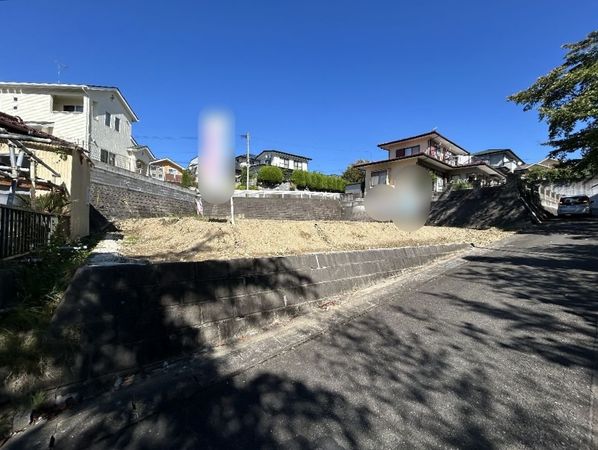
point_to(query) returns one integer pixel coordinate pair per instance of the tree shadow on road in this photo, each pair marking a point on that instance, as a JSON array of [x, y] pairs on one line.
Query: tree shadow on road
[[408, 375]]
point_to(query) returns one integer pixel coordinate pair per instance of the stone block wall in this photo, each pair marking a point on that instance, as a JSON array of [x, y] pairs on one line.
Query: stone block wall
[[119, 194], [131, 315], [278, 208]]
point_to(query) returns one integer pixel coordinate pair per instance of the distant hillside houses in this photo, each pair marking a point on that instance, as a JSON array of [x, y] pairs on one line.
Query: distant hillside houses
[[277, 158]]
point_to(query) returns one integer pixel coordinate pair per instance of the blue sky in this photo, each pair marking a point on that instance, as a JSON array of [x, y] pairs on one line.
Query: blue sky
[[328, 79]]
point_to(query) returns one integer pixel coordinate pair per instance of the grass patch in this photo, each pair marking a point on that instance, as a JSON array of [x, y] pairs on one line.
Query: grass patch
[[30, 357]]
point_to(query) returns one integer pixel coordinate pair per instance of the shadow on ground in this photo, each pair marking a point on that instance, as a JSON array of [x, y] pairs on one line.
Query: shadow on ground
[[484, 367]]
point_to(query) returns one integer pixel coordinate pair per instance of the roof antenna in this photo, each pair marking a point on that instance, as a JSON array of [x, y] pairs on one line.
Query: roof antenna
[[61, 68], [434, 129]]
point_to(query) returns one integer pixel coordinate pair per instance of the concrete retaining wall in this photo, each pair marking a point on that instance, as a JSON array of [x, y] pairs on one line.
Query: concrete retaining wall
[[481, 208], [550, 193], [119, 194], [279, 208], [130, 315]]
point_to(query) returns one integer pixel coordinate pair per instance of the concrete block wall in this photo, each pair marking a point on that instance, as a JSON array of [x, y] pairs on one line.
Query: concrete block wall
[[119, 194], [130, 315], [278, 208]]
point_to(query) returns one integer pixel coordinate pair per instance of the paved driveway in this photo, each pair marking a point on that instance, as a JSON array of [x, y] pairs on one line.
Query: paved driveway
[[497, 352]]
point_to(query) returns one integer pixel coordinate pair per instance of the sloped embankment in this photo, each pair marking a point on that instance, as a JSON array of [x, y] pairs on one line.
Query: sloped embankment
[[482, 208]]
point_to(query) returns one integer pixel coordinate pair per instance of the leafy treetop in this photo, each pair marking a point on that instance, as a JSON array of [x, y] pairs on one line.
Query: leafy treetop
[[353, 174], [567, 100]]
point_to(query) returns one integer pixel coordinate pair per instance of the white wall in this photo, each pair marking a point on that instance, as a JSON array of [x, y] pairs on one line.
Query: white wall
[[586, 187], [32, 106], [104, 137], [278, 161]]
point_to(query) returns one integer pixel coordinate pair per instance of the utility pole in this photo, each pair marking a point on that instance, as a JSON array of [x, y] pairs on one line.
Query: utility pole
[[247, 165]]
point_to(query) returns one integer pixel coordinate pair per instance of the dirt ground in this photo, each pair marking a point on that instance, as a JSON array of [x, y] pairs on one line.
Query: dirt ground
[[194, 239]]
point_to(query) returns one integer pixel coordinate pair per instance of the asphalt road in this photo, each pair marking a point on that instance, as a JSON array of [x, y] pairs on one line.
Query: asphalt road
[[497, 352]]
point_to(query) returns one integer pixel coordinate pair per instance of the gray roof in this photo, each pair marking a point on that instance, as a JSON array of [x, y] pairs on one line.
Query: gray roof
[[289, 155], [492, 151]]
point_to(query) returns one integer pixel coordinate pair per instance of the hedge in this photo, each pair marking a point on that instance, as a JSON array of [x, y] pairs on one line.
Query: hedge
[[316, 181]]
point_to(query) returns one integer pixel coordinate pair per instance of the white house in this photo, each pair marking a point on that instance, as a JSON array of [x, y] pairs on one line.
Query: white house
[[97, 118], [282, 159], [500, 158]]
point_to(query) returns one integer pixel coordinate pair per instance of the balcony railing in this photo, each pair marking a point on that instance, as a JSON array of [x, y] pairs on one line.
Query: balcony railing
[[449, 158]]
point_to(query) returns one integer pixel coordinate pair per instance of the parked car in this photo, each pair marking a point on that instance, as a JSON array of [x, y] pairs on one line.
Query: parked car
[[578, 205]]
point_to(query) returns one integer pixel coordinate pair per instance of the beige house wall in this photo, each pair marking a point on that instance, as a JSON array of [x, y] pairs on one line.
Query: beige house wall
[[74, 177], [422, 142], [392, 166]]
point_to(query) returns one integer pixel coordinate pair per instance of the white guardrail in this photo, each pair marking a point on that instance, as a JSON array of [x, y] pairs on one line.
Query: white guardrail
[[287, 194]]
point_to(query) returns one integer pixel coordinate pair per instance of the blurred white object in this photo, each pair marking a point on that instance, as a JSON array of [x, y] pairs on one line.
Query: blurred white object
[[216, 162]]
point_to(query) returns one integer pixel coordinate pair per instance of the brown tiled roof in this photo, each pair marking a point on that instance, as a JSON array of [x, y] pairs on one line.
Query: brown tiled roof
[[14, 124]]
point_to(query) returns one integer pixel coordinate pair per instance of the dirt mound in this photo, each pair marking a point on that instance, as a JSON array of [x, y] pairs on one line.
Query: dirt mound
[[190, 238]]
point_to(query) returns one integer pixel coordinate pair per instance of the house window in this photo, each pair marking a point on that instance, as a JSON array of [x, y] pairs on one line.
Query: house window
[[378, 177], [141, 168], [72, 108], [286, 163], [107, 119], [117, 124], [108, 157], [409, 151], [172, 171], [297, 165]]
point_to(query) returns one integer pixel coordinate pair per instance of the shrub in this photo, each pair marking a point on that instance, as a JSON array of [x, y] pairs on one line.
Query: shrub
[[270, 175], [299, 178], [460, 184], [187, 179]]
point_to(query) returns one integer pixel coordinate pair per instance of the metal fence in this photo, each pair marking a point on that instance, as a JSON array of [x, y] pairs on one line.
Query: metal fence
[[22, 231]]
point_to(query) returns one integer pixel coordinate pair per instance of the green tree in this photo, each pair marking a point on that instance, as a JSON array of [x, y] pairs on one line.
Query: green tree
[[316, 181], [243, 176], [270, 175], [354, 174], [299, 178], [565, 173], [340, 184], [567, 100], [187, 179]]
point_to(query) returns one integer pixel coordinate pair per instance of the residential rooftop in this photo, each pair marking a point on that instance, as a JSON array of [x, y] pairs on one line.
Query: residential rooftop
[[83, 87], [429, 134], [282, 153], [493, 151]]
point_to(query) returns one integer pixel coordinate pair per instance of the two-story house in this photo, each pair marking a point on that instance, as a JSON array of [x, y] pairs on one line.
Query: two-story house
[[500, 158], [282, 159], [441, 156], [97, 118], [166, 169]]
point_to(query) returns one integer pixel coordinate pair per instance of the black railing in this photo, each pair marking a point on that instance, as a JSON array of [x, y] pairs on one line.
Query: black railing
[[22, 231]]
